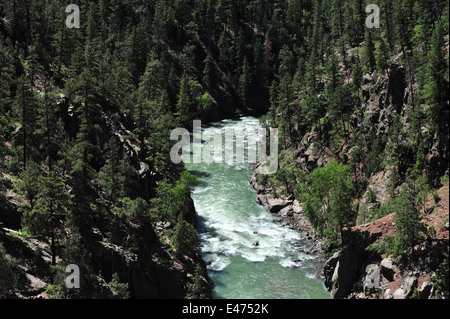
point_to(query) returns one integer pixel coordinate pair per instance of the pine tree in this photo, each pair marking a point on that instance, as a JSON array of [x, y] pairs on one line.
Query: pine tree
[[403, 21], [161, 125], [50, 125], [148, 91], [224, 46], [333, 76], [369, 50], [273, 97], [25, 105], [7, 76], [408, 219], [184, 105], [245, 84], [435, 89], [387, 21], [30, 182], [285, 98], [209, 73], [111, 178], [119, 289], [357, 76], [87, 148], [327, 199], [184, 239], [339, 98], [197, 287], [382, 54], [6, 98], [50, 210]]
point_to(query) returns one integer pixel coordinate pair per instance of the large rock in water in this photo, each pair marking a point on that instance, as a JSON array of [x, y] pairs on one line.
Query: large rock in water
[[276, 204], [286, 211], [273, 204]]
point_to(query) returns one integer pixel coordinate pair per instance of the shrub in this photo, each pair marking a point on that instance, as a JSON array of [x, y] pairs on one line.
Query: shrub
[[8, 278], [120, 290]]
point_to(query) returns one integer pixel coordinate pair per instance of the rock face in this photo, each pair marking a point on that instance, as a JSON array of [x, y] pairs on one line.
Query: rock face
[[147, 278], [387, 269], [343, 270], [356, 272], [289, 213], [134, 251], [189, 212], [10, 214], [152, 273], [410, 275], [24, 251]]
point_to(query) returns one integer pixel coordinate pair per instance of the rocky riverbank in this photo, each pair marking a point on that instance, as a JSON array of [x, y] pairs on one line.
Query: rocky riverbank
[[361, 270], [289, 213], [137, 249]]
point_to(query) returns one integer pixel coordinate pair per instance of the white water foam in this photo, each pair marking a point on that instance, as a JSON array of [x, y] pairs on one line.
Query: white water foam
[[233, 225]]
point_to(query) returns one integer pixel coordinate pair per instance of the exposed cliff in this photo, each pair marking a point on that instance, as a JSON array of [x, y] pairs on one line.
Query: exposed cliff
[[385, 100], [360, 270], [151, 269], [135, 247]]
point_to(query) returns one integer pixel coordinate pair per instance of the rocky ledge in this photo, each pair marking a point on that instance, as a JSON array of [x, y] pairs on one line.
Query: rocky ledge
[[359, 272], [289, 213]]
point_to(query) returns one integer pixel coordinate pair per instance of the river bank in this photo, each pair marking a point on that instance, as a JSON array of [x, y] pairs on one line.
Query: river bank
[[249, 256], [289, 213]]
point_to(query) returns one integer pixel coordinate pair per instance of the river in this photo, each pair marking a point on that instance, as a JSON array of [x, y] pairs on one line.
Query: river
[[230, 222]]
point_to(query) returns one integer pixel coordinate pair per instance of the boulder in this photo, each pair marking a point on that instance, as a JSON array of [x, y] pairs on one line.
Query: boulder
[[335, 277], [409, 284], [372, 280], [388, 294], [399, 294], [35, 285], [296, 208], [276, 204], [286, 212], [425, 290], [208, 262], [262, 200], [329, 269], [388, 269]]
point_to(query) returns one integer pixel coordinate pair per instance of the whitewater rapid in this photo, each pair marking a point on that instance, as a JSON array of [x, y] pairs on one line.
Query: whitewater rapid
[[248, 254]]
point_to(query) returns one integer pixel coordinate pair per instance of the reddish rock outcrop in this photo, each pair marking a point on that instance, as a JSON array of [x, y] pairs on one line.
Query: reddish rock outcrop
[[362, 273]]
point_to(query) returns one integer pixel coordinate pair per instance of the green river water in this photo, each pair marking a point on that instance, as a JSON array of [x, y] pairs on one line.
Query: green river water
[[230, 221]]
